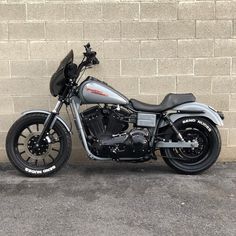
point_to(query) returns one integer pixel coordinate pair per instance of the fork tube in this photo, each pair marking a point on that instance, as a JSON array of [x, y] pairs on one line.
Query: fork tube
[[57, 107], [50, 121]]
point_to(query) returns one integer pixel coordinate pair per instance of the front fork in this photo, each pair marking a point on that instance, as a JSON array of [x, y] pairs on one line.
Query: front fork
[[50, 121]]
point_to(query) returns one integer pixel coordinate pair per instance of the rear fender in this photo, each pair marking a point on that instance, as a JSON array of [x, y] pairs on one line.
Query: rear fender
[[195, 109], [48, 113]]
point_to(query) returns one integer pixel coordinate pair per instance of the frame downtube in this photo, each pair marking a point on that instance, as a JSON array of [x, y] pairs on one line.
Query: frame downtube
[[75, 106]]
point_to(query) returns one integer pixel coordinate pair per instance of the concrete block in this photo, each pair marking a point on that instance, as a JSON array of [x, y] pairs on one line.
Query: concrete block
[[64, 31], [193, 84], [158, 49], [234, 27], [180, 29], [157, 85], [120, 12], [26, 31], [3, 31], [83, 11], [6, 122], [234, 66], [35, 68], [175, 66], [196, 10], [24, 87], [121, 49], [232, 137], [230, 119], [46, 12], [139, 30], [3, 156], [13, 50], [214, 29], [225, 47], [48, 50], [136, 67], [12, 12], [227, 154], [195, 48], [4, 69], [2, 142], [158, 11], [212, 66], [25, 103], [224, 133], [225, 9], [219, 102], [101, 31], [232, 102], [6, 106], [221, 84]]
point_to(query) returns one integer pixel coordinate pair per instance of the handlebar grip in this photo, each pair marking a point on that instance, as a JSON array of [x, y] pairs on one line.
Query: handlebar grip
[[95, 61]]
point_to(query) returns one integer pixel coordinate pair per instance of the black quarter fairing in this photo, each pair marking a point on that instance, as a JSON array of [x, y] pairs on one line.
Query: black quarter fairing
[[59, 78]]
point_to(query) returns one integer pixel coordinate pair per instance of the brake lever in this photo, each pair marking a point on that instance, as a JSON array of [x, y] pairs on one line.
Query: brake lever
[[87, 48], [87, 45]]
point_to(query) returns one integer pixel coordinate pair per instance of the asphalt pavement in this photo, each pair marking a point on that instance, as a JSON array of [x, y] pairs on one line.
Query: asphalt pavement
[[119, 199]]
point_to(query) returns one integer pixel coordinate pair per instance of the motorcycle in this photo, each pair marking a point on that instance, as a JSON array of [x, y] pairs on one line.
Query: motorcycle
[[114, 127]]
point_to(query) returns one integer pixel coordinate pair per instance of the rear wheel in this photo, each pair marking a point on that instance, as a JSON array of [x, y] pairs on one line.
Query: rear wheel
[[33, 160], [194, 160]]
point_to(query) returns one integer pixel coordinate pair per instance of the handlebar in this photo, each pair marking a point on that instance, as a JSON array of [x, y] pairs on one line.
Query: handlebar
[[90, 59], [90, 55]]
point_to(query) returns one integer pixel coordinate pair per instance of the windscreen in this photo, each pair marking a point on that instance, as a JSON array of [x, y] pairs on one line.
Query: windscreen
[[67, 60], [58, 79]]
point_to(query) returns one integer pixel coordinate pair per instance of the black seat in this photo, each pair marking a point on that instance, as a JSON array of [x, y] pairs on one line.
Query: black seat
[[171, 100]]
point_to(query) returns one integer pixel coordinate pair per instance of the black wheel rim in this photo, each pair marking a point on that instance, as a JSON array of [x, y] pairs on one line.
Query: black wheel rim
[[43, 156], [192, 156], [203, 144]]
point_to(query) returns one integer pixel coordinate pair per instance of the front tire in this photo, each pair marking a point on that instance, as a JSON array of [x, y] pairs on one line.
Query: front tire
[[30, 159], [194, 160]]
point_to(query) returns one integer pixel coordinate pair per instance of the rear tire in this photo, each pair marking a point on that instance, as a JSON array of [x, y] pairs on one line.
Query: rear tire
[[193, 161], [42, 161]]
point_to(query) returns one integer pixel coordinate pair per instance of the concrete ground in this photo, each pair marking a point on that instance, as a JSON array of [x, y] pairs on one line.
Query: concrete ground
[[119, 199]]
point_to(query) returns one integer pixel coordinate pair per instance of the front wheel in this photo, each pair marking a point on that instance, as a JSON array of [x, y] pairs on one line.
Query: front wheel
[[30, 158], [194, 160]]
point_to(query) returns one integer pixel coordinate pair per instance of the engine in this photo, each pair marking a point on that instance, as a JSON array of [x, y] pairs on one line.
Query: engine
[[108, 134]]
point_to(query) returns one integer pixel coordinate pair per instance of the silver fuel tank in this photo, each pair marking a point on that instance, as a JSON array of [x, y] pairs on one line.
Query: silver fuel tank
[[94, 91]]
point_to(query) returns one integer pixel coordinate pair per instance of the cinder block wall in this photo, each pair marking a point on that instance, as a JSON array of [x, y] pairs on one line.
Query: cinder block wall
[[146, 48]]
